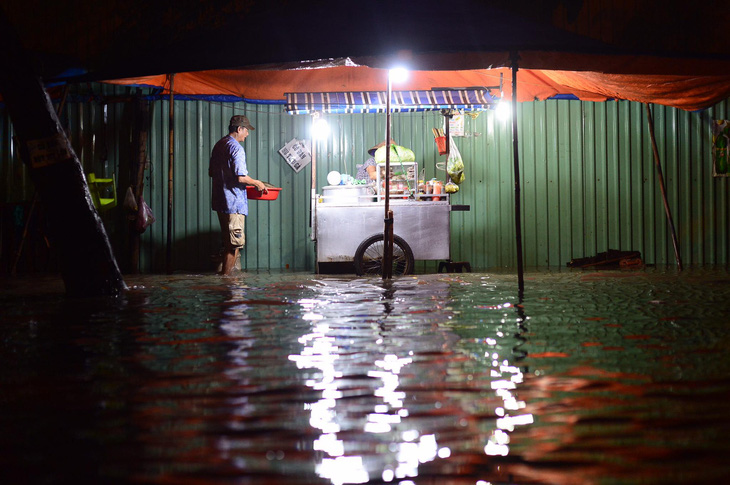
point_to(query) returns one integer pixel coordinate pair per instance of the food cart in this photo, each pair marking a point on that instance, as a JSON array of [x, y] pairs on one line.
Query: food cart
[[348, 222]]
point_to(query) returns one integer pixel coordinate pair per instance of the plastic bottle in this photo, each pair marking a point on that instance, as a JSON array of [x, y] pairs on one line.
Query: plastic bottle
[[437, 188]]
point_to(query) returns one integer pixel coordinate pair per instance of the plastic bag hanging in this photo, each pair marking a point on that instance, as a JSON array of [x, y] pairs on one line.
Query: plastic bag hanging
[[454, 164], [130, 201], [145, 217]]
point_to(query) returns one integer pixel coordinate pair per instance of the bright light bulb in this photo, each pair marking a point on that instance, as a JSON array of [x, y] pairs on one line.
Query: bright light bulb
[[398, 74], [320, 129], [504, 110]]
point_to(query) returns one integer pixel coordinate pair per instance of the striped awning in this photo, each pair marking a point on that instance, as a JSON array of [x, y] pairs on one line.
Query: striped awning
[[401, 101]]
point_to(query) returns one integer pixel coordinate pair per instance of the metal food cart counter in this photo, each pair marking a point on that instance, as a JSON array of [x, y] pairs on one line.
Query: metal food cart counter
[[345, 225]]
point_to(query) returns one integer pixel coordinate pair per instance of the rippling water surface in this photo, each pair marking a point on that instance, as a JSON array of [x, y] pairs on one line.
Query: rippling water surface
[[593, 377]]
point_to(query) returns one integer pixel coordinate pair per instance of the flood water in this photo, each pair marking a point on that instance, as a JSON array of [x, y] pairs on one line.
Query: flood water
[[292, 378]]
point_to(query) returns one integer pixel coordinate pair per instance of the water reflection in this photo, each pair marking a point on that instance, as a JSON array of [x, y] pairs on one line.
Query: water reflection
[[388, 426], [290, 379]]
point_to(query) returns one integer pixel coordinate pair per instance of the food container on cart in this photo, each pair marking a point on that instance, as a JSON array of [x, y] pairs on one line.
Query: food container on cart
[[253, 193], [403, 179], [346, 194]]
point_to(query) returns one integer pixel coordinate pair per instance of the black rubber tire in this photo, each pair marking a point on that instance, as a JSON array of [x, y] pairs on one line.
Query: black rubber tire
[[369, 256]]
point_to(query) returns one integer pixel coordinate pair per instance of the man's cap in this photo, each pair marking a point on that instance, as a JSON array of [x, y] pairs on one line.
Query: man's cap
[[240, 120], [381, 144]]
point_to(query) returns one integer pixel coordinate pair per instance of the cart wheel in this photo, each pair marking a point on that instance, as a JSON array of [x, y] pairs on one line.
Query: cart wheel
[[369, 256]]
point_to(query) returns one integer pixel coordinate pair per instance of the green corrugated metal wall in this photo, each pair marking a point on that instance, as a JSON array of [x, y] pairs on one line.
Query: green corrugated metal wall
[[276, 232], [588, 180], [590, 183]]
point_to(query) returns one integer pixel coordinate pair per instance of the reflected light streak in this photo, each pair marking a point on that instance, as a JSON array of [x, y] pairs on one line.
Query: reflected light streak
[[330, 445], [320, 351], [407, 448], [506, 379], [343, 469], [509, 422], [410, 455]]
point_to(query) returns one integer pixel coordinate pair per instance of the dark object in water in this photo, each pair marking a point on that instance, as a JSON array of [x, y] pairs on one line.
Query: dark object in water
[[454, 267], [612, 258]]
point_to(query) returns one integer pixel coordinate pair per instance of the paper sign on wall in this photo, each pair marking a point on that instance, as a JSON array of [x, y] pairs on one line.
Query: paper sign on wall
[[456, 123], [297, 154]]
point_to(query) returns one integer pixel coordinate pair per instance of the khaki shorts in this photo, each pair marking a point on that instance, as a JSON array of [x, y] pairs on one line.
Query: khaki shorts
[[232, 226]]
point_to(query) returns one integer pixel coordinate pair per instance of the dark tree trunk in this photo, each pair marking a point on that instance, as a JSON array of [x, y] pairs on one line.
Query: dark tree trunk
[[87, 263]]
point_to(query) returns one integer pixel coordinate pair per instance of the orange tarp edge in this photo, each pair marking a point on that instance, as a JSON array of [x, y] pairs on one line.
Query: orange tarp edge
[[272, 85], [681, 91], [684, 92]]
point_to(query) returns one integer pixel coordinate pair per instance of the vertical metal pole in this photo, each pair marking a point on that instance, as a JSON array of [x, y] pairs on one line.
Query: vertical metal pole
[[516, 158], [313, 195], [388, 229], [447, 121], [142, 122], [660, 174], [314, 166], [315, 117], [171, 155]]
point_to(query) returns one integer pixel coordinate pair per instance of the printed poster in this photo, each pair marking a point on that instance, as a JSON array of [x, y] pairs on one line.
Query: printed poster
[[297, 154]]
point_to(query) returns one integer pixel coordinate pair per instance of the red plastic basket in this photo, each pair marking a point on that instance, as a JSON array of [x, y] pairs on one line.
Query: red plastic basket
[[253, 193], [441, 144]]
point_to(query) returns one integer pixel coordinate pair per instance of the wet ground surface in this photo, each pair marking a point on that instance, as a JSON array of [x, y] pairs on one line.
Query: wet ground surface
[[593, 377]]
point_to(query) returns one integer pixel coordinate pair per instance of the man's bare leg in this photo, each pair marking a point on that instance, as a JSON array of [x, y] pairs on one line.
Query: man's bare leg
[[229, 260]]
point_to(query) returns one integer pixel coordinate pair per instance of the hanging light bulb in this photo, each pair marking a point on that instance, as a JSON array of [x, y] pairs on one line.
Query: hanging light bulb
[[320, 129], [398, 74], [504, 110]]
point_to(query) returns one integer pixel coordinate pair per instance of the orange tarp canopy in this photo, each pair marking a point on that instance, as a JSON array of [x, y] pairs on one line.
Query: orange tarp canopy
[[686, 92]]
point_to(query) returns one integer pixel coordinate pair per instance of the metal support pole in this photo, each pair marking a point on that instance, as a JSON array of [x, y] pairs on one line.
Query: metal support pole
[[388, 229], [170, 172], [660, 174], [447, 121], [142, 122], [313, 195], [516, 158]]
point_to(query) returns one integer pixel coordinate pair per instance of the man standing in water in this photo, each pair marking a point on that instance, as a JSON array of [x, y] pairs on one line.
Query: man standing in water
[[230, 177]]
